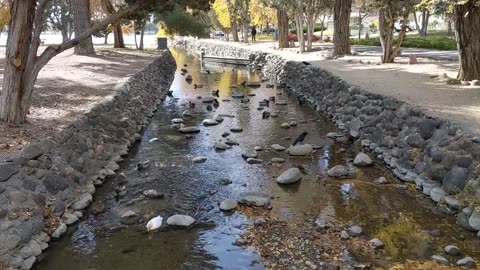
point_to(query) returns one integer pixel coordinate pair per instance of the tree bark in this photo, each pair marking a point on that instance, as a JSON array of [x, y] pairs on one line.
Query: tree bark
[[386, 29], [82, 23], [22, 63], [142, 34], [17, 81], [109, 9], [323, 26], [282, 19], [341, 36], [467, 26], [310, 30], [300, 35]]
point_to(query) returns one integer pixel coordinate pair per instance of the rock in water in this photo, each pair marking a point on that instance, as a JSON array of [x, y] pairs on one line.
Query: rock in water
[[154, 223], [346, 189], [285, 125], [277, 160], [248, 155], [187, 130], [362, 160], [209, 122], [452, 250], [228, 205], [221, 146], [180, 220], [278, 147], [153, 194], [300, 150], [177, 121], [355, 230], [338, 171], [440, 259], [290, 176], [236, 129], [255, 198], [199, 159], [254, 161]]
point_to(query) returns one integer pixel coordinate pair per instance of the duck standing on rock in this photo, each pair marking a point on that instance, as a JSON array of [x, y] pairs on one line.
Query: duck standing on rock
[[142, 165], [216, 103], [216, 93], [120, 191], [244, 83], [299, 139]]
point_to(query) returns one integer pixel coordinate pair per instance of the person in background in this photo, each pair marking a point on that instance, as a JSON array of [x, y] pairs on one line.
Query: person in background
[[254, 33]]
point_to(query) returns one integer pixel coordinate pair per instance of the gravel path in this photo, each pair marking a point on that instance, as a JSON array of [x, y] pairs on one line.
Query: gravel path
[[67, 86], [410, 83]]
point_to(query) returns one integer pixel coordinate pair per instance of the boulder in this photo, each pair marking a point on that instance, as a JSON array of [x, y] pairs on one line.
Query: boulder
[[251, 154], [278, 147], [290, 176], [467, 262], [362, 160], [255, 199], [7, 170], [153, 194], [180, 220], [355, 230], [455, 180], [199, 159], [228, 205], [300, 150], [177, 121], [452, 250], [83, 202], [474, 220], [438, 194], [209, 122], [338, 171]]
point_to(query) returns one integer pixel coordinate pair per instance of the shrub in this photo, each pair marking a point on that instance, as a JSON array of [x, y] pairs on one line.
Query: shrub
[[429, 42], [317, 28]]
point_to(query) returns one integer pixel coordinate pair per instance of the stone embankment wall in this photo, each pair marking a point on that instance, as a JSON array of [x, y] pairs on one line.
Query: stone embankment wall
[[436, 155], [47, 185]]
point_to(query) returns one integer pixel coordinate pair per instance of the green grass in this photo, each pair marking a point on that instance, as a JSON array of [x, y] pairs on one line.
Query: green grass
[[265, 36], [439, 42]]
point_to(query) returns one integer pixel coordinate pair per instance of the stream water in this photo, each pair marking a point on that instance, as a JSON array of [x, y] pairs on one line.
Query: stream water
[[400, 217]]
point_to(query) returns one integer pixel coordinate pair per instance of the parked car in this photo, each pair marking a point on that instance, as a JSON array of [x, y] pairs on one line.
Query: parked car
[[218, 34], [293, 37]]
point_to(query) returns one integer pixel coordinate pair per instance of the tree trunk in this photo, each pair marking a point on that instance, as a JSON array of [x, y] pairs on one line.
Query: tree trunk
[[118, 36], [82, 23], [386, 29], [323, 26], [310, 30], [64, 32], [419, 30], [450, 28], [105, 41], [245, 32], [425, 19], [300, 34], [227, 35], [142, 34], [467, 26], [235, 30], [341, 36], [18, 79], [282, 19], [359, 23]]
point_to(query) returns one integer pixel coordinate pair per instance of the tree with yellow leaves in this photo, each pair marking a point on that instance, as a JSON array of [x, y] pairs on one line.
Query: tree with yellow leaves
[[262, 15], [221, 16], [4, 13]]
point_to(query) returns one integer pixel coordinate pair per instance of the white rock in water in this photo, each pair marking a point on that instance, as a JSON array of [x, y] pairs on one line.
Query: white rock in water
[[285, 125], [153, 194], [290, 176], [281, 102], [362, 160], [338, 171], [154, 223], [254, 198], [254, 161], [277, 160], [189, 130], [153, 140], [187, 114], [199, 159], [221, 146], [238, 95], [300, 150], [180, 220], [209, 122], [177, 121], [208, 99], [236, 129], [228, 205], [278, 147], [248, 155], [346, 188]]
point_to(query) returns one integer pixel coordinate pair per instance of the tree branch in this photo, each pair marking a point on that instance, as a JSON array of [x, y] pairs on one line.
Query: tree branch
[[53, 50]]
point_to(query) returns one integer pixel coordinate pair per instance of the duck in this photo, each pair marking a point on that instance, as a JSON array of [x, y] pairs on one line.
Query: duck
[[265, 115], [209, 108], [142, 165], [244, 83], [216, 93], [306, 63], [154, 223], [170, 93], [197, 86], [300, 101], [245, 100], [120, 191], [216, 103], [191, 104], [299, 139], [267, 102], [272, 99], [208, 71]]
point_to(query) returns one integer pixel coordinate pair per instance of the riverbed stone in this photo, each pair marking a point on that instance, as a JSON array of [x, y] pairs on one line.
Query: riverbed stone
[[189, 130], [463, 221], [236, 129], [428, 185], [180, 220], [177, 121], [61, 229], [7, 170], [153, 194], [467, 262], [254, 161], [254, 198], [452, 250], [83, 202], [439, 259], [221, 146], [381, 180], [199, 159], [285, 125], [453, 202], [455, 180], [300, 150], [228, 205], [129, 217], [277, 160], [9, 242], [69, 219], [355, 230], [250, 154], [290, 176], [437, 194], [28, 263], [474, 220], [209, 122], [278, 147], [362, 160], [376, 243], [338, 171]]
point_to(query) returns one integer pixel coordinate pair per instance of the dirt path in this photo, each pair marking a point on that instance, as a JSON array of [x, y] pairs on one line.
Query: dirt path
[[67, 86], [411, 83]]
